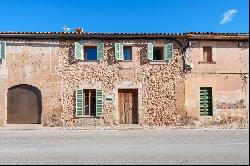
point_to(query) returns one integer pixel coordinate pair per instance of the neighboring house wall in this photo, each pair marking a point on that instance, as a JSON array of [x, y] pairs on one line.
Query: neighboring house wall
[[228, 76], [35, 63]]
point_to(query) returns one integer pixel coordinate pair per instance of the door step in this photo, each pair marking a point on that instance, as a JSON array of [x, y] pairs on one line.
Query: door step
[[23, 126], [129, 126]]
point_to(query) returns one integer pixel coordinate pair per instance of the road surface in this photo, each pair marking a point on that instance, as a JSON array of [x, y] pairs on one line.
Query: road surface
[[143, 146]]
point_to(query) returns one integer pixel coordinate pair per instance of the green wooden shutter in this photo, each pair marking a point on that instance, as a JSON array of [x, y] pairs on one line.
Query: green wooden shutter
[[2, 50], [100, 51], [99, 102], [206, 101], [119, 51], [150, 51], [80, 104], [169, 51], [79, 51]]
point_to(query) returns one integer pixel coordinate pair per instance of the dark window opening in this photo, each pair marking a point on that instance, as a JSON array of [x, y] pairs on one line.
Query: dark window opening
[[90, 102], [207, 54], [158, 53], [127, 51], [90, 53]]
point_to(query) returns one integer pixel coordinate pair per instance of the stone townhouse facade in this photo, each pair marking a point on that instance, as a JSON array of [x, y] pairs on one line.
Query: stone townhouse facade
[[107, 79]]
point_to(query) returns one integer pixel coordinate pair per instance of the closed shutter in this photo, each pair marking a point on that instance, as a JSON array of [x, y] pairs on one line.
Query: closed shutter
[[80, 97], [119, 51], [169, 51], [150, 51], [206, 107], [79, 51], [99, 102], [2, 50], [207, 54], [100, 51]]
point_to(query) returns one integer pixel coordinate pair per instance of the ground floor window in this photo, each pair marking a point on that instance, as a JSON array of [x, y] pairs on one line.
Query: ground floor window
[[89, 102], [206, 101]]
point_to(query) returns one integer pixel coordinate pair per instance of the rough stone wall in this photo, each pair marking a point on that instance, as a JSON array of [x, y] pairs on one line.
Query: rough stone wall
[[228, 77], [34, 63], [160, 86]]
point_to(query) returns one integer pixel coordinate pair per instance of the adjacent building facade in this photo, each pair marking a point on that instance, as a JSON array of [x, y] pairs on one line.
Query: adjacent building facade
[[218, 84], [103, 79]]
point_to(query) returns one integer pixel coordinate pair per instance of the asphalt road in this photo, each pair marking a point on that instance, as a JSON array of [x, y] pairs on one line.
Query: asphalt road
[[158, 146]]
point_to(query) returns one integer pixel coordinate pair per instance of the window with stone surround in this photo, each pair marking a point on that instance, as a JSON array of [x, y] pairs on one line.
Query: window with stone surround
[[158, 53], [90, 53], [127, 53], [89, 102], [207, 54]]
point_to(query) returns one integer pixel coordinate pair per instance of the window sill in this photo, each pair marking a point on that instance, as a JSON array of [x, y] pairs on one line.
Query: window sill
[[125, 60], [207, 62], [158, 62], [90, 62], [86, 116]]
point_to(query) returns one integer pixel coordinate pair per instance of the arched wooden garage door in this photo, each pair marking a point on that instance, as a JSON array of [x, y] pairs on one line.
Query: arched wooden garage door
[[24, 105]]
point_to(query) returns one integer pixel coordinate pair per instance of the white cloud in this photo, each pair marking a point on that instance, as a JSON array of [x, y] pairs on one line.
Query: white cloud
[[228, 16]]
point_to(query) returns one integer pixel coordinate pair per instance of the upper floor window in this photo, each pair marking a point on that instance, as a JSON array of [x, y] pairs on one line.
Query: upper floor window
[[90, 53], [158, 53], [123, 53], [127, 52], [207, 54]]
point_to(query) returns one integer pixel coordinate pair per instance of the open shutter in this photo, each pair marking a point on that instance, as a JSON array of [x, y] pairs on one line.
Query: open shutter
[[80, 102], [169, 51], [100, 51], [79, 51], [119, 51], [2, 50], [150, 51], [99, 102]]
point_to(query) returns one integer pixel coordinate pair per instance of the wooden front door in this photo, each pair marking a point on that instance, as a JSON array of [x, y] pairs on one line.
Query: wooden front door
[[128, 106], [24, 105]]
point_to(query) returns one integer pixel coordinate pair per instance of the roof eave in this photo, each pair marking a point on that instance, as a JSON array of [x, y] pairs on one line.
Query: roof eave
[[88, 36], [218, 37]]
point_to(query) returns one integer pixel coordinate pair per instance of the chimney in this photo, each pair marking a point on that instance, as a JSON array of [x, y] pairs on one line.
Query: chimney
[[79, 30]]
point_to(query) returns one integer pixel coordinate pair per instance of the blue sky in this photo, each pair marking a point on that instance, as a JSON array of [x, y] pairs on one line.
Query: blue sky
[[125, 15]]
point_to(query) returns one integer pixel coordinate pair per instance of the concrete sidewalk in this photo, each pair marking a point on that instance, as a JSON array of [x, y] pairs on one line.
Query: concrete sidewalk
[[40, 127], [16, 127]]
